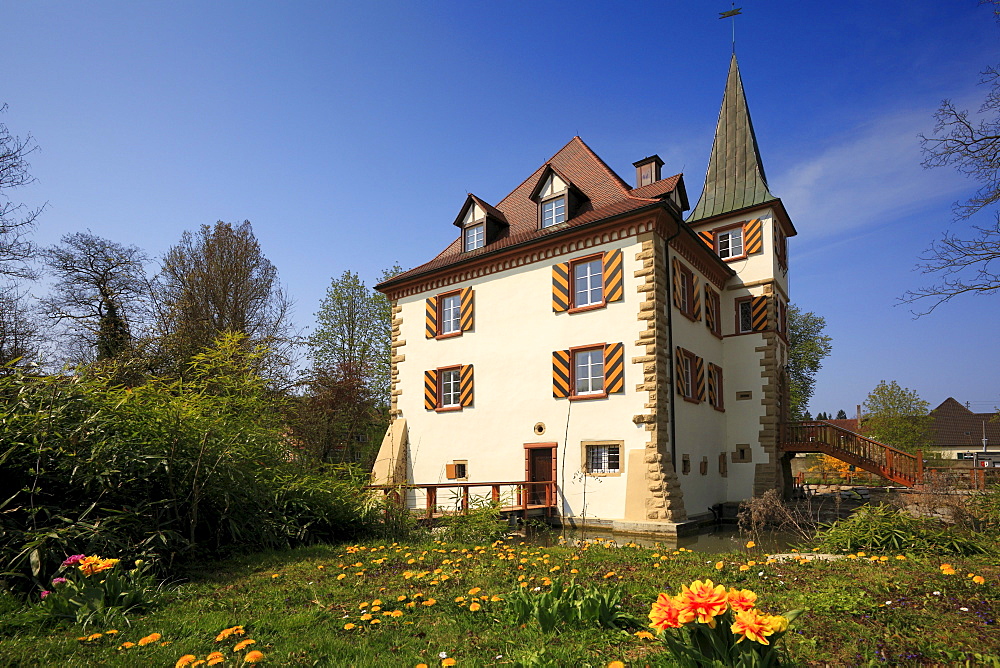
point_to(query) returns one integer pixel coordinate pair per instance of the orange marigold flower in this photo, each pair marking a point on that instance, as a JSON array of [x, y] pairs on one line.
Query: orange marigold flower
[[231, 631], [215, 658], [743, 599], [979, 579], [753, 625], [947, 569], [448, 662], [185, 661], [151, 638], [475, 606], [243, 644], [702, 602], [126, 645], [616, 664], [396, 613], [475, 590], [719, 565], [254, 657], [664, 613]]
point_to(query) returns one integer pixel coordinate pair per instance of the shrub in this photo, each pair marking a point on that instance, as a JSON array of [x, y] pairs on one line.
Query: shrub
[[570, 604]]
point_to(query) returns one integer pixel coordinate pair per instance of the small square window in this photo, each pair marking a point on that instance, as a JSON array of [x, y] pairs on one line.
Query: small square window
[[450, 381], [588, 371], [588, 283], [554, 211], [603, 458], [451, 310], [729, 243], [473, 237], [457, 470]]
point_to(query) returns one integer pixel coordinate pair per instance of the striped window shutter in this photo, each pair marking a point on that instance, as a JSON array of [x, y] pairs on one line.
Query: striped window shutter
[[713, 392], [709, 309], [560, 374], [614, 368], [677, 282], [699, 378], [708, 236], [753, 237], [758, 311], [560, 287], [614, 289], [465, 386], [431, 389], [431, 318], [679, 371], [466, 318], [696, 292]]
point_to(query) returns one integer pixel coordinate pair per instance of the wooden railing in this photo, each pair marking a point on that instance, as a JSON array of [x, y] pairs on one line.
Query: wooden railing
[[519, 496], [896, 465]]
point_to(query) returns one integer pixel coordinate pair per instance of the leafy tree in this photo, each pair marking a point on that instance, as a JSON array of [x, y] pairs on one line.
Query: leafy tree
[[807, 346], [218, 280], [841, 414], [965, 264], [896, 416], [16, 221], [98, 293]]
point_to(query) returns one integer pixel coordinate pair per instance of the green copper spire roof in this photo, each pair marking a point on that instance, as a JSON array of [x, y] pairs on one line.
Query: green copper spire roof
[[735, 178]]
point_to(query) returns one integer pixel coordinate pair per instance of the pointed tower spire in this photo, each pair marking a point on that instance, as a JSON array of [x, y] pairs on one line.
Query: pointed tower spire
[[735, 178]]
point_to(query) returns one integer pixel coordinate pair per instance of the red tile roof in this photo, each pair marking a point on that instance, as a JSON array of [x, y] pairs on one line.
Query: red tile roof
[[607, 196], [954, 425]]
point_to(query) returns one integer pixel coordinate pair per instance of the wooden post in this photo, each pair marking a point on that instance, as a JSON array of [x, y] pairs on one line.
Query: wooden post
[[465, 499], [431, 502], [920, 466], [496, 494]]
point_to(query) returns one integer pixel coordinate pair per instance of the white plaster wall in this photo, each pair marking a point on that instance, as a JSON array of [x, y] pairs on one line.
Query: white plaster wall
[[511, 350]]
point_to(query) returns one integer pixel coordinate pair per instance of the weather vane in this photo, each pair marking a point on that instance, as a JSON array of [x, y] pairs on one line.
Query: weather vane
[[731, 14]]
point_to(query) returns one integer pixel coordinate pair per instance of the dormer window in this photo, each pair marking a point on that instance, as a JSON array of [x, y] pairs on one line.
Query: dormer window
[[554, 211], [473, 237]]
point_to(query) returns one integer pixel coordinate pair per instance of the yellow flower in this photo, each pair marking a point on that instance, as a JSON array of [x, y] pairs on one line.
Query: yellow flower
[[616, 664], [185, 660], [744, 567], [243, 644], [448, 662], [609, 574], [753, 625], [979, 579], [341, 576], [377, 601], [365, 617], [375, 621], [401, 598], [429, 602], [719, 565], [110, 632], [644, 635], [421, 665], [475, 607], [254, 657], [151, 638], [275, 575], [225, 633], [947, 569], [376, 608], [750, 543], [94, 636], [126, 645], [348, 626], [475, 590], [215, 658], [396, 613]]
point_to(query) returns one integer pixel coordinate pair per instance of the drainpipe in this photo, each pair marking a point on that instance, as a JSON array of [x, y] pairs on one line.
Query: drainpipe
[[670, 349]]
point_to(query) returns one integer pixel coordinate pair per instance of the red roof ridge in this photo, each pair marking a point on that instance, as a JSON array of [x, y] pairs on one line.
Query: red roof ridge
[[621, 182]]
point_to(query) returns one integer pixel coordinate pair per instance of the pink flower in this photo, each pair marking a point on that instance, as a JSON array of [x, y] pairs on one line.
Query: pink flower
[[58, 581], [70, 561], [45, 592]]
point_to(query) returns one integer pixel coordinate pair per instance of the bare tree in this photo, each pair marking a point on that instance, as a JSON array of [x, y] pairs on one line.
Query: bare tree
[[18, 330], [98, 294], [216, 281], [972, 146], [16, 220]]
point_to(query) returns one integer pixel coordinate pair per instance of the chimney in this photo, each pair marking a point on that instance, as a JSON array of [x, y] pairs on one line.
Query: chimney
[[647, 170]]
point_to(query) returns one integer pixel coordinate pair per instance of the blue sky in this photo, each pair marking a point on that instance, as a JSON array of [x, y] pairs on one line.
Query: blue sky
[[349, 134]]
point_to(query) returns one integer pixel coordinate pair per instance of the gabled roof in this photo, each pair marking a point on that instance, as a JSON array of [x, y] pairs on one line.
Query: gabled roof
[[735, 177], [607, 195], [955, 425], [491, 212]]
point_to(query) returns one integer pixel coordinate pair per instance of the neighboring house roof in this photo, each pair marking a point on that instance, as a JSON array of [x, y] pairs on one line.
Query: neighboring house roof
[[954, 425], [735, 177], [606, 196], [850, 424]]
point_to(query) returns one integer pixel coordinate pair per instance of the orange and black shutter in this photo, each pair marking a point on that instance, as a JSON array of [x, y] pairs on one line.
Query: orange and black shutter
[[713, 392], [677, 282], [753, 234], [431, 389], [560, 374], [560, 287], [614, 288], [710, 310], [699, 378], [758, 311], [466, 317], [431, 318], [679, 372], [614, 368], [465, 386], [708, 236], [696, 294]]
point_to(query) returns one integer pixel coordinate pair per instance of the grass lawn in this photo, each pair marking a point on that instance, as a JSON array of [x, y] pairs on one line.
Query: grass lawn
[[381, 604]]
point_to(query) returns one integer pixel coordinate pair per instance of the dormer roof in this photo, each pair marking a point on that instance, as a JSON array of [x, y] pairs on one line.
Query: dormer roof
[[735, 178], [490, 211]]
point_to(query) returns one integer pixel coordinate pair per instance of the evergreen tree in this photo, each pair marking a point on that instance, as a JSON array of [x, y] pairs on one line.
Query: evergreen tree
[[841, 414]]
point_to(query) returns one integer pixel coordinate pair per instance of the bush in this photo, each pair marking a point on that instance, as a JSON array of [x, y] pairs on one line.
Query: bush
[[165, 469]]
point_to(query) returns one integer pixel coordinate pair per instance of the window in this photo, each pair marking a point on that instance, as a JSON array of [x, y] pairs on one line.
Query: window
[[742, 454], [686, 279], [588, 372], [448, 389], [588, 283], [554, 211], [744, 316], [729, 243], [780, 245], [457, 470], [602, 457], [686, 291], [689, 375], [715, 387], [451, 310], [474, 237], [781, 319], [450, 380]]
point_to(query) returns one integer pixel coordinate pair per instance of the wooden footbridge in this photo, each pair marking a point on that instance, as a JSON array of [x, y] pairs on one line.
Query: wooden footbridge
[[438, 500]]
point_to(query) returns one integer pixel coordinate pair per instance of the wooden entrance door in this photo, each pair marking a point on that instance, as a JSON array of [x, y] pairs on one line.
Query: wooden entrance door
[[540, 466]]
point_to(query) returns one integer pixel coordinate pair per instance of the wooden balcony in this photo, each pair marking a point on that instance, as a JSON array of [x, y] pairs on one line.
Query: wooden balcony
[[457, 498]]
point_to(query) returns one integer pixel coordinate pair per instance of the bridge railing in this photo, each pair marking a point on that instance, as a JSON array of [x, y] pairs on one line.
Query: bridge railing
[[819, 436], [457, 498]]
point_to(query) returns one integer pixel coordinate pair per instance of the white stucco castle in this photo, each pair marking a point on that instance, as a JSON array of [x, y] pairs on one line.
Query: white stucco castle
[[581, 330]]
